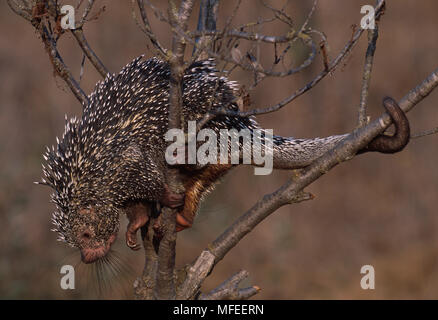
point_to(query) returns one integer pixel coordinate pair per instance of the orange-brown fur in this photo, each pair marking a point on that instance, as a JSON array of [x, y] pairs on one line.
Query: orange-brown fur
[[198, 183]]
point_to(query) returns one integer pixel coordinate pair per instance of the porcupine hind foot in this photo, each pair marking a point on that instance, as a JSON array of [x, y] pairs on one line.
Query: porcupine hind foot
[[138, 216]]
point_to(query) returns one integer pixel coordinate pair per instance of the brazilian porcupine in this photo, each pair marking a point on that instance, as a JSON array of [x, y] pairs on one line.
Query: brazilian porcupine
[[111, 161]]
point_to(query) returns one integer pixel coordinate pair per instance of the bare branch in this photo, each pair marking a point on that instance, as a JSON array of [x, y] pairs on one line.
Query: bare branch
[[60, 67], [345, 51], [206, 22], [145, 285], [195, 276], [332, 66], [85, 14], [245, 35], [165, 285], [146, 28], [34, 16], [21, 9], [373, 34], [89, 53], [229, 289], [425, 133]]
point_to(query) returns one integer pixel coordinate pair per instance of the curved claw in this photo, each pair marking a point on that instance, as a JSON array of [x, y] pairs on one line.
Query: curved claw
[[182, 222], [132, 245]]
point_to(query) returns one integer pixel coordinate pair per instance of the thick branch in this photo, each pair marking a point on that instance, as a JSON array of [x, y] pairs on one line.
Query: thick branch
[[165, 285], [145, 285], [229, 289]]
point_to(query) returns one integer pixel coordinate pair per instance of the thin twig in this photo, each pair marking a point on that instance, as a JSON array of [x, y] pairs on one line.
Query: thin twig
[[92, 57], [425, 133], [373, 34], [332, 66], [60, 67], [146, 28], [85, 14], [51, 47], [345, 51]]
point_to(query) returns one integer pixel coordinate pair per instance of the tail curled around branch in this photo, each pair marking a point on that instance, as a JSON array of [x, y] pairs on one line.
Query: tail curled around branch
[[291, 153], [395, 143]]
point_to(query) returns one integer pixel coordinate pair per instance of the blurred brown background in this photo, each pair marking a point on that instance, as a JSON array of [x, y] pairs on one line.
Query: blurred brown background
[[376, 209]]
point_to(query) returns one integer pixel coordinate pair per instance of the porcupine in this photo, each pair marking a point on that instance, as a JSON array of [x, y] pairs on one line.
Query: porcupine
[[111, 160]]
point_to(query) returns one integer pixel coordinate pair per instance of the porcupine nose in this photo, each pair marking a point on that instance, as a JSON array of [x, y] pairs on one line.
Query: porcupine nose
[[85, 236]]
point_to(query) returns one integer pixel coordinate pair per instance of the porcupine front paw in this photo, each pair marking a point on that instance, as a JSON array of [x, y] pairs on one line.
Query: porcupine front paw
[[176, 201], [138, 216], [171, 199]]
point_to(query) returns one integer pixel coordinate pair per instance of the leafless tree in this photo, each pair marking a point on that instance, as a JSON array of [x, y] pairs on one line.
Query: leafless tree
[[232, 47]]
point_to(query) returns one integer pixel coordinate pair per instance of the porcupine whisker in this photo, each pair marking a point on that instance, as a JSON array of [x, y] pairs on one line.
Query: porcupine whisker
[[125, 268], [122, 272], [100, 271], [107, 275]]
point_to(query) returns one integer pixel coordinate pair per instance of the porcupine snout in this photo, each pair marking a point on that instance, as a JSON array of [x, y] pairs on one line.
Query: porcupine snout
[[92, 249], [91, 245]]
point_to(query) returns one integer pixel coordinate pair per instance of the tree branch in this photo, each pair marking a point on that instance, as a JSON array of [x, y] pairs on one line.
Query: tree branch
[[165, 285], [85, 14], [146, 28], [60, 67], [425, 133], [206, 23], [332, 66], [92, 57], [373, 34], [159, 280], [33, 15], [229, 289]]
